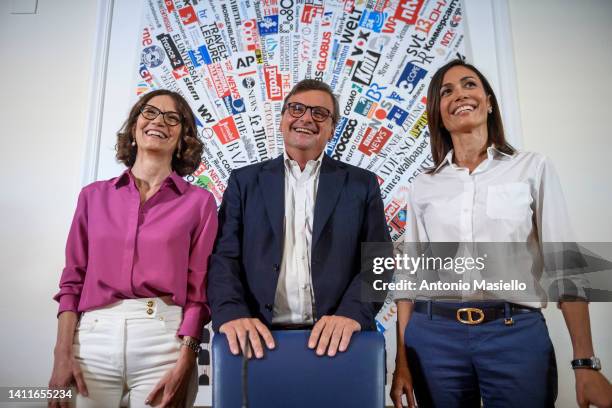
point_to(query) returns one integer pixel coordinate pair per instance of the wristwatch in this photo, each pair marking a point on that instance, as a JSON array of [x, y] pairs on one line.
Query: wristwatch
[[592, 363]]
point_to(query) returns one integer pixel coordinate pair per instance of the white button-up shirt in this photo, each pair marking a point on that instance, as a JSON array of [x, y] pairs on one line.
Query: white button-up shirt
[[507, 198], [293, 303]]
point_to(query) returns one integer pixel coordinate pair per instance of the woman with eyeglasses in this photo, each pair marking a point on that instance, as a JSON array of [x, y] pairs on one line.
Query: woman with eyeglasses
[[504, 209], [132, 299]]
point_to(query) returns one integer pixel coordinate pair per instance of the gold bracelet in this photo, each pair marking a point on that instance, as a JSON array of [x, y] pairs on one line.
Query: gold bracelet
[[192, 345]]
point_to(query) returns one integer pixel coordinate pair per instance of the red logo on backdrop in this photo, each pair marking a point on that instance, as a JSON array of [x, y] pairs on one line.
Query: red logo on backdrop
[[226, 130], [273, 83], [169, 5], [391, 209], [398, 222], [408, 10], [349, 5], [188, 15], [180, 72], [310, 12], [373, 143], [249, 34]]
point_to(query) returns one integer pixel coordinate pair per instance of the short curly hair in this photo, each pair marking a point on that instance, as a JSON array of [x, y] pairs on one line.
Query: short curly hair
[[190, 147]]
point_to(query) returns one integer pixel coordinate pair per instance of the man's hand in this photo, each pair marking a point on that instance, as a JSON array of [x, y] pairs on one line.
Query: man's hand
[[592, 388], [237, 331], [333, 331]]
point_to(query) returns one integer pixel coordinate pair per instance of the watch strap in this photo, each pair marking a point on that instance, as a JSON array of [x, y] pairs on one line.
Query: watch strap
[[591, 363]]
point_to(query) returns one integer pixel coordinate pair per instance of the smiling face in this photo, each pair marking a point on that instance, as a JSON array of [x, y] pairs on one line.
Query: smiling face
[[305, 138], [464, 104], [155, 135]]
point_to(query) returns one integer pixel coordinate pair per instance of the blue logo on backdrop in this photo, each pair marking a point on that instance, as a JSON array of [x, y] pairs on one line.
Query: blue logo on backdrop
[[269, 25], [397, 115], [200, 56], [331, 145], [410, 77], [373, 20], [236, 106], [363, 106], [152, 56]]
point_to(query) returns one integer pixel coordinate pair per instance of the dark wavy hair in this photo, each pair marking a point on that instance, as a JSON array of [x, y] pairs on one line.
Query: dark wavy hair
[[189, 146], [315, 85], [440, 138]]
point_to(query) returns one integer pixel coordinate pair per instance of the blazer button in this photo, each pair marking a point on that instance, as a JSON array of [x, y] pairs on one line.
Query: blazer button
[[269, 307], [276, 267]]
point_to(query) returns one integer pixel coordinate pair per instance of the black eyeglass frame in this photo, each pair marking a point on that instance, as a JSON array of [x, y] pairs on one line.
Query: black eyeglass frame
[[289, 106], [159, 112]]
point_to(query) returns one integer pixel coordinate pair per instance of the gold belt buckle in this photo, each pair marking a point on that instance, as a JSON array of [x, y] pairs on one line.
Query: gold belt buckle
[[470, 316]]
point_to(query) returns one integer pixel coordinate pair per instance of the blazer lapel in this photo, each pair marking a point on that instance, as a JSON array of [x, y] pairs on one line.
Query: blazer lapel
[[331, 183], [271, 181]]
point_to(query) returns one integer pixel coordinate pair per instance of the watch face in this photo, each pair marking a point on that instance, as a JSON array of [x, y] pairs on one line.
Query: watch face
[[596, 363]]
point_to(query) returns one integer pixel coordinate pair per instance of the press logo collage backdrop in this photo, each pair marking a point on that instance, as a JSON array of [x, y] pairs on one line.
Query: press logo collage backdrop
[[235, 60]]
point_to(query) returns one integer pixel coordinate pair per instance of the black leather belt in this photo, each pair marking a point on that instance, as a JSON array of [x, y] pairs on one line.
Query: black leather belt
[[472, 313]]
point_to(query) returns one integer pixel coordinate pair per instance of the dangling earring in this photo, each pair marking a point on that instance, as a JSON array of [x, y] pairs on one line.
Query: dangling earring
[[133, 142], [490, 109]]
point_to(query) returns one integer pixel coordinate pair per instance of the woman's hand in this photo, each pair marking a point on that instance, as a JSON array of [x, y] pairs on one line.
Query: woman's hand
[[66, 369], [592, 388], [402, 384], [173, 385], [66, 372]]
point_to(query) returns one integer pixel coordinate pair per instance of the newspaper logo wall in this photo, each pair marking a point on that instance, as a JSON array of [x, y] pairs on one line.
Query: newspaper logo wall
[[235, 60]]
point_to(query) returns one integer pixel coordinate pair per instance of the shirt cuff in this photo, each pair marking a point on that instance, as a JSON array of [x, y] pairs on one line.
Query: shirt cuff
[[195, 316], [68, 303]]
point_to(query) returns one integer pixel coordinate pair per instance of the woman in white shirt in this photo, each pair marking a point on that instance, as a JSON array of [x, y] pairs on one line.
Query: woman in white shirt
[[460, 352]]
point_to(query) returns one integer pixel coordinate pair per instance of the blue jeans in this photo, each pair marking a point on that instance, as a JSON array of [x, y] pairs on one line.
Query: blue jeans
[[455, 365]]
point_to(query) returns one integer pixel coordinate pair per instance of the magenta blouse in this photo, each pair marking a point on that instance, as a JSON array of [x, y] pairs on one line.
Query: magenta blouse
[[118, 249]]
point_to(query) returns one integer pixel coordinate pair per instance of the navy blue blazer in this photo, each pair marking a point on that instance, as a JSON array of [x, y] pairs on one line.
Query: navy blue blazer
[[246, 259]]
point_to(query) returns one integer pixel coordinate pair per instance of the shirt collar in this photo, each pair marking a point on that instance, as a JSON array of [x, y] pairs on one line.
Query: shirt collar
[[492, 153], [315, 163], [174, 180], [178, 182], [123, 179], [448, 159]]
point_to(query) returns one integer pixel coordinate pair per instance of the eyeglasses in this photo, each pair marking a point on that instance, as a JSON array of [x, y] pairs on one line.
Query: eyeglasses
[[170, 118], [318, 113]]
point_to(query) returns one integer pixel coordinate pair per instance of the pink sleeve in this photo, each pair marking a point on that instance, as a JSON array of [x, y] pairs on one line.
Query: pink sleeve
[[196, 312], [73, 275]]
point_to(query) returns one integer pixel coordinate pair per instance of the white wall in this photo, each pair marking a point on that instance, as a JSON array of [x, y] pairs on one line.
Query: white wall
[[43, 105], [563, 55], [563, 58]]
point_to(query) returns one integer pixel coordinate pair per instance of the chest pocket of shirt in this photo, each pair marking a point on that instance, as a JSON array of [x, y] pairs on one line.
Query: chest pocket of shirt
[[508, 201]]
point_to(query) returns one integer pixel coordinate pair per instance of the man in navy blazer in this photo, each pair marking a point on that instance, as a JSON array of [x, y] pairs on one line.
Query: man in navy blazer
[[290, 232]]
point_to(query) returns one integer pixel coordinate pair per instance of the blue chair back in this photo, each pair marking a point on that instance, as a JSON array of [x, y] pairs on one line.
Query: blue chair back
[[293, 376]]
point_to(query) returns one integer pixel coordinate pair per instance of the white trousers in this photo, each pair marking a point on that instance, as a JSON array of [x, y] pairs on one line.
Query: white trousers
[[124, 350]]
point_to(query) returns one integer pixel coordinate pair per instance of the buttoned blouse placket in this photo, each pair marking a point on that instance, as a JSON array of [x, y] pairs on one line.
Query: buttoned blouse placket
[[136, 218], [467, 213]]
